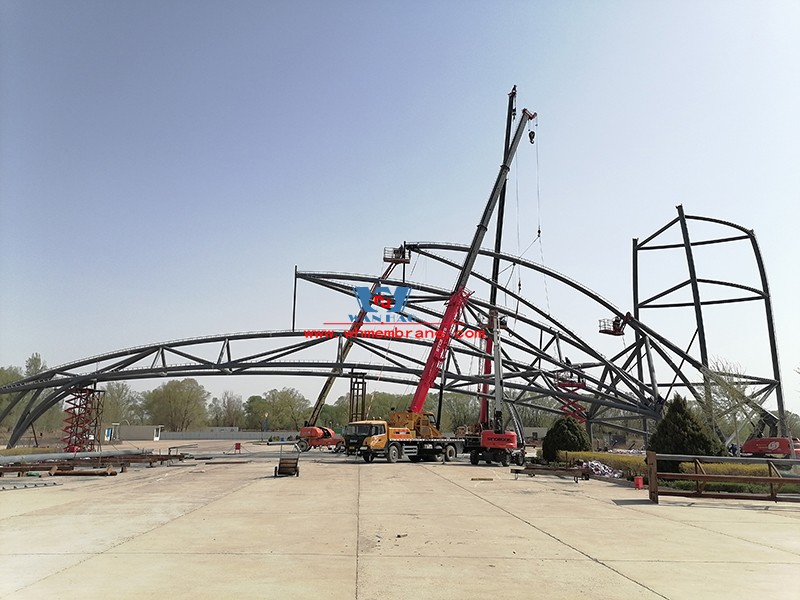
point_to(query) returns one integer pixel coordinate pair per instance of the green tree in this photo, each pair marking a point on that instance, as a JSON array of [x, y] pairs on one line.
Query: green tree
[[565, 434], [535, 417], [681, 432], [731, 401], [138, 411], [255, 411], [119, 402], [459, 410], [9, 375], [287, 409], [335, 415], [178, 405], [380, 404], [53, 418]]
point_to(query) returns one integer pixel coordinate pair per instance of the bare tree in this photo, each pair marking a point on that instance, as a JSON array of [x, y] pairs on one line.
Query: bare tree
[[232, 409]]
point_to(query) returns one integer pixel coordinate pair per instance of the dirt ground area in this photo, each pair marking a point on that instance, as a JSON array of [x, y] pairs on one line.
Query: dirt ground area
[[221, 526]]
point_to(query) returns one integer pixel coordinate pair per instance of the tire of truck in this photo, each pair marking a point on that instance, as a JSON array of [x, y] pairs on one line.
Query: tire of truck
[[519, 459], [338, 448], [505, 459], [450, 453], [368, 457], [303, 445], [474, 457], [393, 453]]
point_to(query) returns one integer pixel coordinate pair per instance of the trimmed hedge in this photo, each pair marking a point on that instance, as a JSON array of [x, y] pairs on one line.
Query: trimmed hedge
[[728, 469], [565, 434]]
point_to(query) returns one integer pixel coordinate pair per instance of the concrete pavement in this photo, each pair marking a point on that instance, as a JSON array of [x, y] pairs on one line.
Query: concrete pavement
[[346, 529]]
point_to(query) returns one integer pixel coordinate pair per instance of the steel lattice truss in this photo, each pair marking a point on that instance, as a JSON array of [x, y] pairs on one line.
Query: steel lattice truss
[[620, 390]]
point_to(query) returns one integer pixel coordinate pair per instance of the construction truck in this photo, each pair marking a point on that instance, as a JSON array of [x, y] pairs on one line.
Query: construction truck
[[497, 444], [417, 438], [491, 442]]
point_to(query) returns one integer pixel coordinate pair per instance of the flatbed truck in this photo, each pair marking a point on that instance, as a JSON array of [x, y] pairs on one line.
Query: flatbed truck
[[373, 439]]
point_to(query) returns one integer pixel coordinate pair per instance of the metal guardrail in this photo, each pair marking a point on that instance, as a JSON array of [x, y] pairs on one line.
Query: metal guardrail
[[775, 481]]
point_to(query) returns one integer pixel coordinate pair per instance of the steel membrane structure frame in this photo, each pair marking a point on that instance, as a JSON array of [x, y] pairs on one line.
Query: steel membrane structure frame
[[764, 387], [630, 386]]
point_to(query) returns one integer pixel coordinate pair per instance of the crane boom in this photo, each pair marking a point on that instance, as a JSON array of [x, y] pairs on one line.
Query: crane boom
[[346, 347], [460, 294], [483, 418]]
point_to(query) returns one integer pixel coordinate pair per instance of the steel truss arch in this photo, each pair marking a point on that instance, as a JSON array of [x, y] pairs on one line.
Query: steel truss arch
[[601, 390], [614, 380], [161, 360]]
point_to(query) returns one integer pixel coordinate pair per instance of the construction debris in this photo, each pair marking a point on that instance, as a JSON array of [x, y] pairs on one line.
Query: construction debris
[[599, 469]]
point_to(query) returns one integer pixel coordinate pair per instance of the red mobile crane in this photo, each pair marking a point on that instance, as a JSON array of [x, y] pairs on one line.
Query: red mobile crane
[[489, 440], [412, 417]]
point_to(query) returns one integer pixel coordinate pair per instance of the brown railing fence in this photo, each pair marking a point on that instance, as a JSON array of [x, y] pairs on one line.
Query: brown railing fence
[[782, 472]]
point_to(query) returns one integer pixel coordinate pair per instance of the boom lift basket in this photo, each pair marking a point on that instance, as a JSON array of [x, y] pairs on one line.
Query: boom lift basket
[[568, 381], [397, 255], [615, 326]]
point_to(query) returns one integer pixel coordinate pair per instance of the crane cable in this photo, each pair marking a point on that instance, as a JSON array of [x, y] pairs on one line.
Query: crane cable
[[538, 229], [539, 220]]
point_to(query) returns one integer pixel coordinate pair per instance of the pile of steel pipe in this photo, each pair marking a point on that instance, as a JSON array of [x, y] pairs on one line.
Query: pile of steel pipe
[[34, 458]]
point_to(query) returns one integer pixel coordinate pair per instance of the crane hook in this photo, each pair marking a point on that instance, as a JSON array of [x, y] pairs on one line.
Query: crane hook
[[531, 136]]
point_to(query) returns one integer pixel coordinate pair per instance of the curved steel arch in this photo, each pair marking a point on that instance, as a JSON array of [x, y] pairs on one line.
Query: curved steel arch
[[615, 370], [635, 397], [161, 360], [533, 364], [156, 361], [675, 358], [640, 398]]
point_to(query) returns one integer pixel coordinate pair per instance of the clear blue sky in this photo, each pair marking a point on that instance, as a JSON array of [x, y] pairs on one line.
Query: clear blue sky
[[163, 166]]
